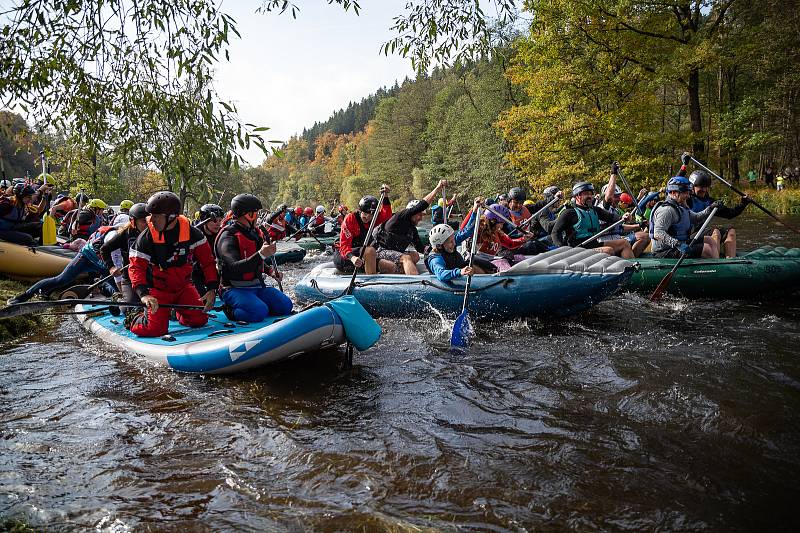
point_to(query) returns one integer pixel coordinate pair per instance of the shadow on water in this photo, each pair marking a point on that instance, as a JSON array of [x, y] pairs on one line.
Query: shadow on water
[[677, 415]]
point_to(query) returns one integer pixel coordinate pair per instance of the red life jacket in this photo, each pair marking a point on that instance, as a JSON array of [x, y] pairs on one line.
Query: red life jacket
[[180, 255], [248, 247]]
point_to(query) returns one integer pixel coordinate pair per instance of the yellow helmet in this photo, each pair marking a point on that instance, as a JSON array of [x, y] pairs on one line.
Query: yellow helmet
[[125, 204], [46, 179], [95, 203], [440, 202], [528, 203]]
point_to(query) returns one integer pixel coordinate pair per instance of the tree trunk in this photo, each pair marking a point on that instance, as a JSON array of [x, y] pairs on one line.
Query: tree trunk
[[695, 113]]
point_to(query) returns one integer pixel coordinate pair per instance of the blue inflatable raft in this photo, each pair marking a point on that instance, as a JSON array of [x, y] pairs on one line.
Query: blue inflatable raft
[[561, 282], [224, 346]]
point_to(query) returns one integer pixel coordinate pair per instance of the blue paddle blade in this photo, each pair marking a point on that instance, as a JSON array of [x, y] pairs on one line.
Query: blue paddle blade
[[462, 331]]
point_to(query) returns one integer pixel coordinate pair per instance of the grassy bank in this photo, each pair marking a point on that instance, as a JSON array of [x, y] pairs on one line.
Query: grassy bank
[[11, 328], [786, 202]]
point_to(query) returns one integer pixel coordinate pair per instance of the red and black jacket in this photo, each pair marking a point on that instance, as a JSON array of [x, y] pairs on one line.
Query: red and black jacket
[[239, 263], [354, 232], [164, 261]]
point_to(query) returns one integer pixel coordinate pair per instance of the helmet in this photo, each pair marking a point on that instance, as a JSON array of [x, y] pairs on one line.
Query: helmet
[[121, 219], [368, 204], [413, 203], [282, 207], [626, 199], [518, 194], [550, 192], [342, 208], [46, 179], [582, 186], [298, 210], [97, 203], [678, 183], [502, 198], [500, 210], [22, 190], [81, 199], [308, 212], [242, 204], [440, 233], [320, 209], [5, 184], [528, 203], [164, 203], [617, 190], [211, 212], [440, 203], [138, 211], [699, 178], [125, 204]]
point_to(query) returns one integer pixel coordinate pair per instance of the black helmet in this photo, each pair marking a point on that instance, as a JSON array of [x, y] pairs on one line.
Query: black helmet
[[164, 203], [244, 203], [699, 178], [21, 190], [81, 199], [582, 186], [211, 212], [368, 204], [138, 211], [282, 207], [518, 194]]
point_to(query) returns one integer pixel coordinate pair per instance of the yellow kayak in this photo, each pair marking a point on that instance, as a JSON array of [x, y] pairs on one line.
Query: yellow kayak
[[32, 263]]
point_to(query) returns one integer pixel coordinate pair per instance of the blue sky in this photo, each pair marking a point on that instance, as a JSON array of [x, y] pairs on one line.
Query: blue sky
[[287, 73]]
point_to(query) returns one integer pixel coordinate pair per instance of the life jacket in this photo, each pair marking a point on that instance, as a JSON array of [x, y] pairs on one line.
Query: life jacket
[[358, 240], [180, 250], [680, 230], [15, 216], [451, 259], [91, 250], [319, 220], [248, 246], [699, 204], [437, 215], [588, 223], [394, 240]]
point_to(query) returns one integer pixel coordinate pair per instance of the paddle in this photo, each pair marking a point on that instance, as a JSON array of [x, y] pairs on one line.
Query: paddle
[[462, 327], [444, 206], [737, 191], [628, 188], [367, 240], [2, 166], [504, 219], [81, 291], [668, 278], [28, 308], [301, 230], [601, 233], [48, 223]]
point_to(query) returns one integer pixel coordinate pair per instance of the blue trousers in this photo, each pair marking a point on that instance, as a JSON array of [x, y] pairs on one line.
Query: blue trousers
[[75, 268], [256, 304]]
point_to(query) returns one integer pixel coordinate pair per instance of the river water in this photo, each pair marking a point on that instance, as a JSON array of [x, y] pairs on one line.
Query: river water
[[633, 416]]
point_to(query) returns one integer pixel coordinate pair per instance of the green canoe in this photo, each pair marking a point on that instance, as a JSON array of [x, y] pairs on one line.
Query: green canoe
[[757, 273], [309, 243]]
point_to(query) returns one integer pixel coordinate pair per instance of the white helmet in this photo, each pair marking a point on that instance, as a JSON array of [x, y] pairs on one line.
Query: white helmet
[[617, 190], [440, 233], [413, 203], [5, 184], [320, 209]]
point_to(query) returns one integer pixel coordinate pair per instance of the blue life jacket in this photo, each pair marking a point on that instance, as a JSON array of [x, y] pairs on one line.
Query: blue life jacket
[[437, 214], [699, 204], [14, 217], [588, 223], [680, 230]]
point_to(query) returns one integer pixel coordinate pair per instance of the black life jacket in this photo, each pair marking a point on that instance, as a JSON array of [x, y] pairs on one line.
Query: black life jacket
[[451, 259]]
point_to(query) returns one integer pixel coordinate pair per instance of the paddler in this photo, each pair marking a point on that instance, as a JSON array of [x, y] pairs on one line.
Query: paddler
[[699, 200], [353, 234], [396, 234], [580, 220], [543, 224], [610, 200], [124, 209], [161, 268], [276, 223], [15, 225], [671, 224], [115, 250], [444, 261], [241, 251], [494, 241], [519, 213], [209, 222], [68, 220]]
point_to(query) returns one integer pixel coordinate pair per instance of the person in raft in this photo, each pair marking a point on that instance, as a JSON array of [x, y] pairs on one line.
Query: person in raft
[[241, 250], [161, 268], [347, 248], [444, 261]]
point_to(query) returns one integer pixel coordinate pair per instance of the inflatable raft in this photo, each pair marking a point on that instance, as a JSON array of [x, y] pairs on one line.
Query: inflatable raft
[[32, 263], [224, 346], [289, 252], [557, 283], [753, 274]]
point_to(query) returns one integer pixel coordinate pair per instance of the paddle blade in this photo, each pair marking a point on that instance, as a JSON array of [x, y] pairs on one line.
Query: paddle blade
[[462, 331], [661, 287]]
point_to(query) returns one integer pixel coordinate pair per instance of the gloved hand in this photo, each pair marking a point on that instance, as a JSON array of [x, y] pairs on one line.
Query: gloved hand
[[644, 224], [686, 157], [746, 200], [717, 203], [615, 167], [683, 248]]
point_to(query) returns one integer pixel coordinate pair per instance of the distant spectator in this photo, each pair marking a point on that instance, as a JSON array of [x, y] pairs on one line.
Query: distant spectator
[[769, 176], [752, 177], [779, 181]]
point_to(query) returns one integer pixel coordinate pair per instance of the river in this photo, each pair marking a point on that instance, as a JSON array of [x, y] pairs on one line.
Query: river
[[678, 415]]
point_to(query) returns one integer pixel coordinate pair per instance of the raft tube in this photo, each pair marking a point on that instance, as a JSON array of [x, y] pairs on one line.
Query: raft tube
[[32, 263], [761, 272], [558, 283], [289, 252], [223, 346]]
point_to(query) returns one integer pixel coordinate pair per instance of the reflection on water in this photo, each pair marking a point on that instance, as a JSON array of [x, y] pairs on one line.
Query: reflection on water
[[676, 415]]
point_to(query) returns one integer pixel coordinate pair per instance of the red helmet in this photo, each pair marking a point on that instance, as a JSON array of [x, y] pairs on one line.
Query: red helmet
[[308, 212], [626, 199], [298, 210]]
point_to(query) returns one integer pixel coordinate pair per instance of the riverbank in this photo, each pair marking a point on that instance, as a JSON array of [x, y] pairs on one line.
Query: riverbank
[[785, 202], [11, 328]]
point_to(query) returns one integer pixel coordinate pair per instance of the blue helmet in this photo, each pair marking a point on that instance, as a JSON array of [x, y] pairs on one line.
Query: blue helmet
[[678, 183]]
